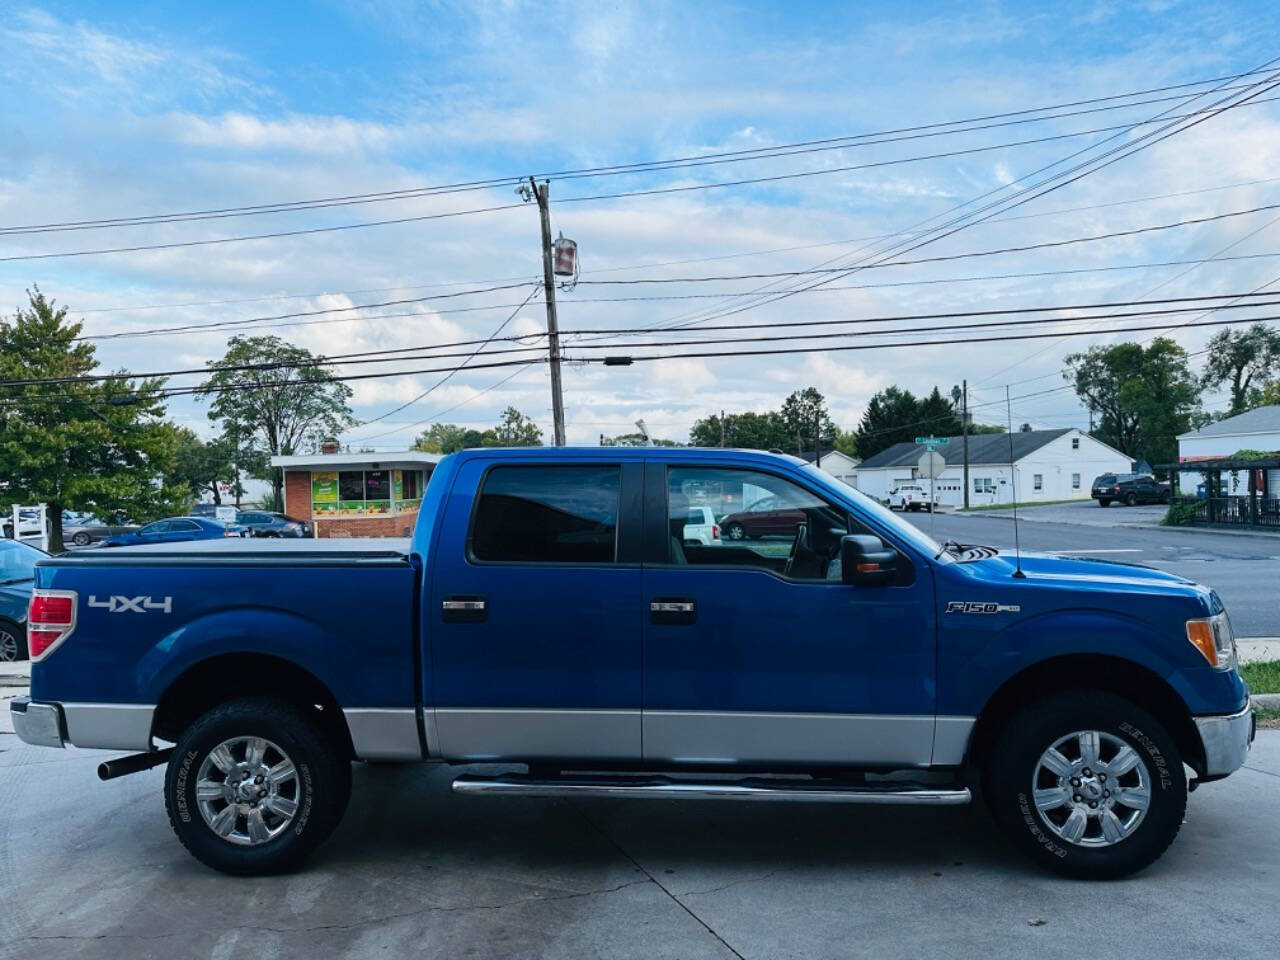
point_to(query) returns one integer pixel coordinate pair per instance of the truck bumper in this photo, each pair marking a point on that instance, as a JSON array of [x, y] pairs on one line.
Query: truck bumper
[[39, 724], [1226, 741]]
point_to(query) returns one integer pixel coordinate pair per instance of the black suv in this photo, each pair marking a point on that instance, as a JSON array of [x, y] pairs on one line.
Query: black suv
[[1130, 489], [264, 524]]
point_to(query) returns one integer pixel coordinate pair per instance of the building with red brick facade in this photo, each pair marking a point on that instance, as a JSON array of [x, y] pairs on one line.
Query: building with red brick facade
[[356, 494]]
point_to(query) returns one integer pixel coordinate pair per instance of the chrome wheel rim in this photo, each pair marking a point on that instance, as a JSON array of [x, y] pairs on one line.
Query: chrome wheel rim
[[247, 790], [1091, 789], [8, 647], [736, 532]]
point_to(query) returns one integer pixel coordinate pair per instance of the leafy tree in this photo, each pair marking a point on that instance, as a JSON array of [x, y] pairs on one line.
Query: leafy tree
[[976, 429], [803, 413], [890, 418], [100, 446], [448, 438], [750, 431], [1265, 396], [846, 442], [1145, 397], [1241, 358], [206, 466], [514, 430], [283, 402], [635, 440], [938, 417]]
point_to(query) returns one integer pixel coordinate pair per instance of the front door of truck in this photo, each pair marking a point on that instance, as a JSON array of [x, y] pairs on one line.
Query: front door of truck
[[533, 613], [757, 653]]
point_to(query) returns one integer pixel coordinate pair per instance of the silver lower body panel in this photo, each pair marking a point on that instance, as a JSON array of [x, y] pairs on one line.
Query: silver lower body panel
[[384, 734], [39, 724], [515, 734], [666, 788], [109, 726]]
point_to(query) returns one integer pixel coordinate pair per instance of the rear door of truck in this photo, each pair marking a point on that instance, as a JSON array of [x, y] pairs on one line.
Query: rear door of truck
[[533, 610]]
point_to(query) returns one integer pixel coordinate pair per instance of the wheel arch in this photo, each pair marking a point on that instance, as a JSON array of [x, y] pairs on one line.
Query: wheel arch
[[1082, 671], [206, 683]]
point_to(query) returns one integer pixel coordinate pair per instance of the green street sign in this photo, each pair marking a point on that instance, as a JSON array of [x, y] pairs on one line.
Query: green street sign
[[934, 441]]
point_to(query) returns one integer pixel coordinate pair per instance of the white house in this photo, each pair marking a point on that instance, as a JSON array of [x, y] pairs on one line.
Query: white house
[[1257, 429], [837, 464], [1048, 465]]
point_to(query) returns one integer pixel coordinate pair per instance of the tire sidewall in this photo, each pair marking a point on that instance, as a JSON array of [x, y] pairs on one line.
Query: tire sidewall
[[20, 635], [1008, 783], [319, 782]]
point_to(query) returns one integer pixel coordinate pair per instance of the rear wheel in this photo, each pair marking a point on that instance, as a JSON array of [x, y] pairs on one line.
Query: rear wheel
[[254, 786], [1087, 784], [81, 539], [735, 531], [1104, 503], [1131, 500]]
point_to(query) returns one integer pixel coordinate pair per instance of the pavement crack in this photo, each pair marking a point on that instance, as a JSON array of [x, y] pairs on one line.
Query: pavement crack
[[1258, 770], [731, 883]]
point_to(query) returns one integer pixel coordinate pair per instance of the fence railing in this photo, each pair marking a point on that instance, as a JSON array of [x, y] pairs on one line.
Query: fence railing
[[1242, 511]]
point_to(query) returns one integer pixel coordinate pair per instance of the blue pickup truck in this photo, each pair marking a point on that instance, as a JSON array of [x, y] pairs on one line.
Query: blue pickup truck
[[549, 616]]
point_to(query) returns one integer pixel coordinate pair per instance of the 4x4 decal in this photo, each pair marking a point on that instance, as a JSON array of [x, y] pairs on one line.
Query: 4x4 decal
[[119, 604]]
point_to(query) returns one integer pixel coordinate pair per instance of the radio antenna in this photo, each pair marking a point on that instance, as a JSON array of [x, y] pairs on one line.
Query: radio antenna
[[1013, 485]]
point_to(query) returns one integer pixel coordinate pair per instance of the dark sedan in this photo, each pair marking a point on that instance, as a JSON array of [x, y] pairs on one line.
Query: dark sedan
[[177, 530], [766, 517], [264, 524], [17, 576]]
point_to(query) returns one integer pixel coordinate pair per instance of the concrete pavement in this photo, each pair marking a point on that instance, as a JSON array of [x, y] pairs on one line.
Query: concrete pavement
[[92, 870]]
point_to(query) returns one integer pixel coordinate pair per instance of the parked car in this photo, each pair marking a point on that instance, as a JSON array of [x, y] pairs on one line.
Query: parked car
[[17, 577], [547, 612], [701, 527], [768, 516], [1130, 489], [177, 530], [912, 496], [84, 529], [260, 523]]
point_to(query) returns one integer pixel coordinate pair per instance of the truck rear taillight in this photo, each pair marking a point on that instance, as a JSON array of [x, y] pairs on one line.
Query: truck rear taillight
[[1116, 488], [51, 616]]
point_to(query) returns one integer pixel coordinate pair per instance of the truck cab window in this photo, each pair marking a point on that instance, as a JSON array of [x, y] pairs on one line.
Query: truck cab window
[[763, 521], [547, 515]]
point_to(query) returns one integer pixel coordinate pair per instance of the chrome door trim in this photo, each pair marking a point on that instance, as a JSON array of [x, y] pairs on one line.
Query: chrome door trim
[[380, 733], [537, 734]]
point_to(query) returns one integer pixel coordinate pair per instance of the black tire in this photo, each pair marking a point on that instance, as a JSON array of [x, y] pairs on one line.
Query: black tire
[[13, 642], [735, 531], [322, 785], [1131, 500], [82, 539], [1104, 503], [1166, 497], [1011, 770]]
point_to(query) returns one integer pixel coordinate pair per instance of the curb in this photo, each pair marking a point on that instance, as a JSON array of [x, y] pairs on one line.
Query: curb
[[1221, 531], [1269, 700]]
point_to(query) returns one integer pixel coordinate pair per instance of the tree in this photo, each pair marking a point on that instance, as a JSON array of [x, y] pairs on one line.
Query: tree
[[635, 440], [1241, 358], [448, 438], [274, 399], [205, 467], [514, 430], [750, 431], [804, 414], [1266, 395], [938, 417], [93, 445], [889, 418], [1145, 397]]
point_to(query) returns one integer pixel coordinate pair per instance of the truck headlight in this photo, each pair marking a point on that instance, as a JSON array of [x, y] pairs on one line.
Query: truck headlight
[[1212, 636]]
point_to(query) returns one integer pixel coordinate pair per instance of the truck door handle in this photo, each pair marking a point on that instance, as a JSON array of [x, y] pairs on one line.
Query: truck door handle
[[673, 611], [464, 609]]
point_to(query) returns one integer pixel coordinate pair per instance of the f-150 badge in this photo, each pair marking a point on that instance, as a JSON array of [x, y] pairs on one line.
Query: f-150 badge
[[962, 606]]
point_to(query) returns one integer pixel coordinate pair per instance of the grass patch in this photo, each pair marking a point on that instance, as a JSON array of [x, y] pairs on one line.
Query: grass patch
[[1029, 505], [1268, 718], [1263, 677]]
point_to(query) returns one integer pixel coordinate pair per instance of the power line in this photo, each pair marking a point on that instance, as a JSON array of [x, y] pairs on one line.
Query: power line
[[732, 156]]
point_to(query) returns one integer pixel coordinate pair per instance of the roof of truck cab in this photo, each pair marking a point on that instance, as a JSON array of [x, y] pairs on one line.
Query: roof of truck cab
[[624, 453]]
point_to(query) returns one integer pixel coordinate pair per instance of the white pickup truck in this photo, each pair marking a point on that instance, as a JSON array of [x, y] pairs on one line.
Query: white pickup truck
[[912, 496]]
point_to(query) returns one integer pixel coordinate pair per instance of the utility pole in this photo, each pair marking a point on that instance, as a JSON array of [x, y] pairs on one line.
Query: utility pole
[[964, 429], [722, 428], [817, 439], [543, 195]]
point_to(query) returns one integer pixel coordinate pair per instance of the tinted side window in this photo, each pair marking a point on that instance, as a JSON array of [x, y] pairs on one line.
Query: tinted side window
[[183, 526], [160, 526], [547, 515]]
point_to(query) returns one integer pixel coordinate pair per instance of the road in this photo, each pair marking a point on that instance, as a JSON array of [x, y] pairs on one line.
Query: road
[[1244, 569]]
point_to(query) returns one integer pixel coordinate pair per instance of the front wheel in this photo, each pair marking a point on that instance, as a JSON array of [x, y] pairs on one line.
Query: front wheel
[[81, 539], [254, 786], [1088, 784], [13, 642]]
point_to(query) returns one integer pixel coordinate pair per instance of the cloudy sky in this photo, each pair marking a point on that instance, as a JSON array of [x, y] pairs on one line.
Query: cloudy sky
[[110, 110]]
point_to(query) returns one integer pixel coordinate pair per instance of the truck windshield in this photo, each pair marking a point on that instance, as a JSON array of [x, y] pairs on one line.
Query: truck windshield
[[882, 517]]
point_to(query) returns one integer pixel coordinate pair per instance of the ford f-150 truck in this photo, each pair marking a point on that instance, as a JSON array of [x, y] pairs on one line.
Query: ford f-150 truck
[[549, 612]]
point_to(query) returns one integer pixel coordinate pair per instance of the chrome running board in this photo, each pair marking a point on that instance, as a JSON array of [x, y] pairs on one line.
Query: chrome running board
[[668, 788]]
